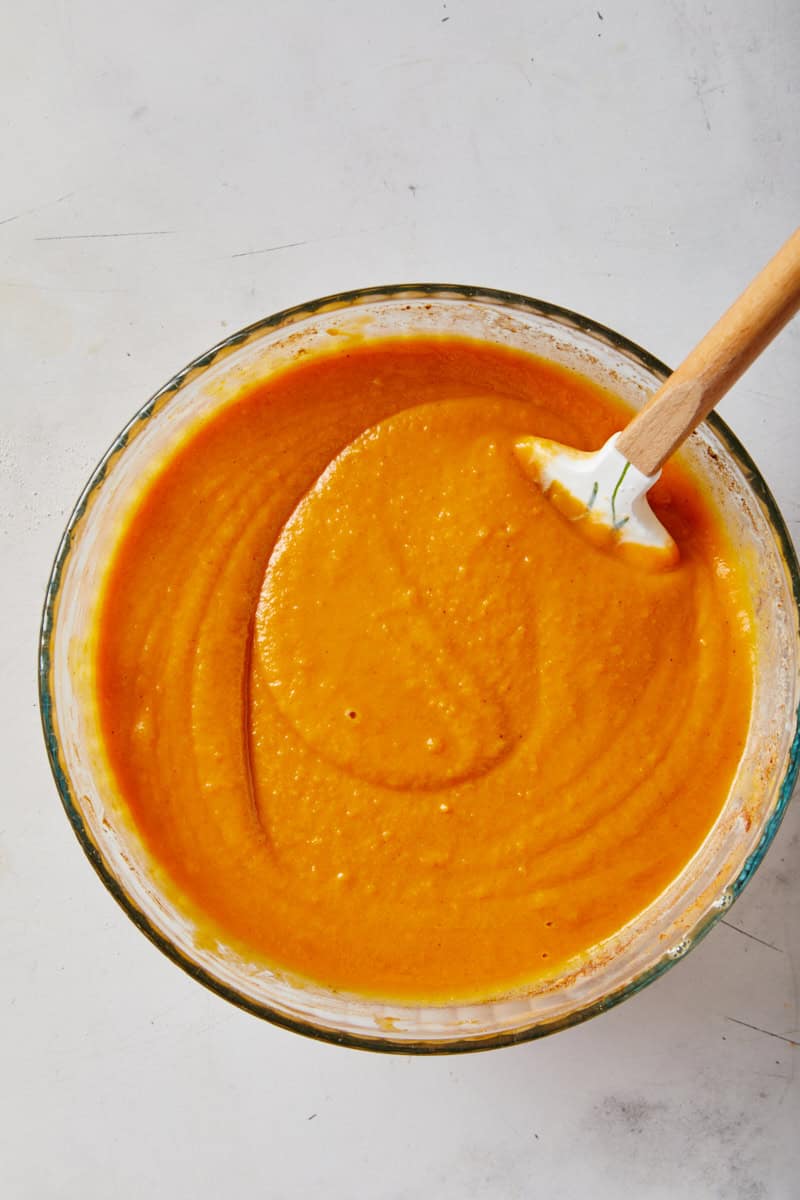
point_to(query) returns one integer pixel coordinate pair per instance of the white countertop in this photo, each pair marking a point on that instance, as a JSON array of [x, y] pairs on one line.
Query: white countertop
[[173, 170]]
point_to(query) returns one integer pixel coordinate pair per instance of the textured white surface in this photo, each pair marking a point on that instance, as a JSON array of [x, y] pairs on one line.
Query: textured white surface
[[173, 170]]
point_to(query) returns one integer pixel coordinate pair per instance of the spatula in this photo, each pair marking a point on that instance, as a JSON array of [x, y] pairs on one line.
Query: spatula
[[606, 490]]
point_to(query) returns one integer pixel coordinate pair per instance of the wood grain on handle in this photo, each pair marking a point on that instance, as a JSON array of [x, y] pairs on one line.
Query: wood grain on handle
[[716, 362]]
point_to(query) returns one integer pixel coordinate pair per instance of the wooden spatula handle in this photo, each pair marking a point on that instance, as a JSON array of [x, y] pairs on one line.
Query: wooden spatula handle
[[716, 362]]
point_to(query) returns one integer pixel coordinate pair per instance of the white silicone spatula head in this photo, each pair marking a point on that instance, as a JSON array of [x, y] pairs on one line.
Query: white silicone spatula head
[[606, 490]]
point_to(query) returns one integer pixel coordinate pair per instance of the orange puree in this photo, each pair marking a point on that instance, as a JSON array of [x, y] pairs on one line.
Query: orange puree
[[387, 720]]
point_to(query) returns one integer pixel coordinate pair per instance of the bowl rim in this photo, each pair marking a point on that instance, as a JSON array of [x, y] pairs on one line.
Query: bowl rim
[[286, 317]]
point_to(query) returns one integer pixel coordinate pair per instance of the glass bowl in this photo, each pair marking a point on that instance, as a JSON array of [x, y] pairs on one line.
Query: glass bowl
[[614, 969]]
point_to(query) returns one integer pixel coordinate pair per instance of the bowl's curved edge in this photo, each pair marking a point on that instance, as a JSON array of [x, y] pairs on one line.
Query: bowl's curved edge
[[384, 1043]]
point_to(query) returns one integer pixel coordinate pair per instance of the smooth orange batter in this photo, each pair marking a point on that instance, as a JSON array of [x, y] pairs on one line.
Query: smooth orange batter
[[387, 719]]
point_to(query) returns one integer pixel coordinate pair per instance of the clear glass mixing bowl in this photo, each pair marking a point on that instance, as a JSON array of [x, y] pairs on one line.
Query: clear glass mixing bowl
[[618, 967]]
